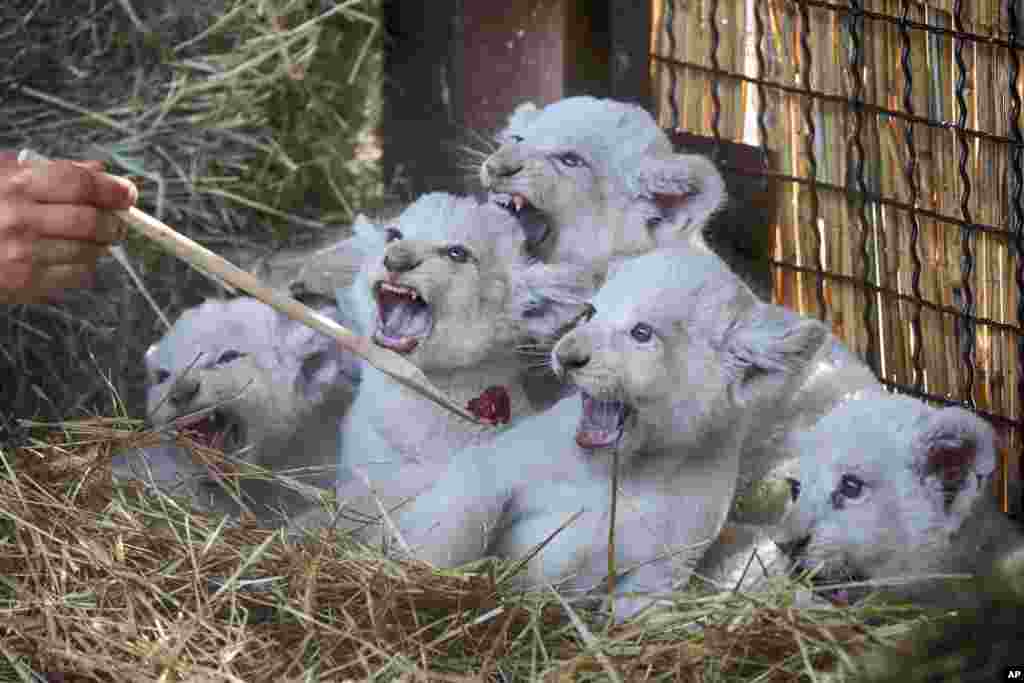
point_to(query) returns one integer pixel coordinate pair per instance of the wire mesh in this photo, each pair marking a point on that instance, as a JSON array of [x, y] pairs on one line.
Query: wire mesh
[[896, 130]]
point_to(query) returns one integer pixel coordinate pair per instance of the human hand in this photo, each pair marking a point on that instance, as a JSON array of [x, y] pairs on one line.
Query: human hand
[[54, 224]]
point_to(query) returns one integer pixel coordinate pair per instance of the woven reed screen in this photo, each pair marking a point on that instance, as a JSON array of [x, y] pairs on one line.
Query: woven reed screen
[[898, 134]]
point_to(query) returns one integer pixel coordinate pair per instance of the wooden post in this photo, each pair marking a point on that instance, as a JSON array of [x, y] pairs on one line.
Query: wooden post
[[419, 115], [455, 69]]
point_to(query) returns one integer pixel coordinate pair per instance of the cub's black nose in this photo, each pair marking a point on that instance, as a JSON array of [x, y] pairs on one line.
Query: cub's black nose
[[400, 259], [571, 356], [500, 169]]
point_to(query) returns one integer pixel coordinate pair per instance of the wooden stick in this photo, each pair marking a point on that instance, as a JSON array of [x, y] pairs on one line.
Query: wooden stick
[[198, 256]]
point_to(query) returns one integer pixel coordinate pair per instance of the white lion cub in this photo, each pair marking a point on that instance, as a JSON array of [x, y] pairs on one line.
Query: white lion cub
[[670, 365], [252, 383], [890, 487], [591, 180], [448, 286]]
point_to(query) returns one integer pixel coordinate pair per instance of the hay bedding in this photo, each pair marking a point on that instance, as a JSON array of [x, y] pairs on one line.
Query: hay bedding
[[103, 582]]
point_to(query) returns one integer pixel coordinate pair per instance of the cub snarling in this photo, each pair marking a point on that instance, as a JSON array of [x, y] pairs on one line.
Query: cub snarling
[[668, 369], [448, 286], [890, 488], [249, 382], [590, 180]]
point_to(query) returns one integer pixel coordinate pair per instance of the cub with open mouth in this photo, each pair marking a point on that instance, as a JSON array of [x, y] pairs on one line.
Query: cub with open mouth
[[245, 381], [450, 288], [669, 366], [593, 180]]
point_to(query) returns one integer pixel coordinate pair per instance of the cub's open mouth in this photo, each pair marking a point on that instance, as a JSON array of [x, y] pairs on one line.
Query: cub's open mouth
[[216, 429], [533, 221], [601, 422], [403, 317]]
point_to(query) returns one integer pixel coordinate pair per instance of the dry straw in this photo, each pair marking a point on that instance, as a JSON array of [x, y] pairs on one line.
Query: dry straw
[[103, 581]]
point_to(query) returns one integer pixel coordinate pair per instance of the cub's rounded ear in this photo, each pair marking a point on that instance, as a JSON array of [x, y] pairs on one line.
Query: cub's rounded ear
[[319, 362], [770, 347], [367, 233], [953, 443], [686, 188], [547, 299], [522, 116]]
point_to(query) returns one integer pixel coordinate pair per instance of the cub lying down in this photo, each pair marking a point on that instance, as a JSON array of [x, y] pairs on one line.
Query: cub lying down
[[591, 180], [447, 286], [668, 370], [889, 487], [263, 388]]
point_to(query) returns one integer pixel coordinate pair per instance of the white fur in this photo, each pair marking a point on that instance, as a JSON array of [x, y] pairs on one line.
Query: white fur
[[835, 374], [319, 270], [903, 521], [691, 388], [630, 194], [286, 385], [482, 310]]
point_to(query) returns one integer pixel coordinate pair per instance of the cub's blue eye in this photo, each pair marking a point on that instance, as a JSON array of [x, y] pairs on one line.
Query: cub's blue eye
[[642, 332], [851, 486], [458, 253], [392, 234], [571, 159], [229, 356], [514, 138]]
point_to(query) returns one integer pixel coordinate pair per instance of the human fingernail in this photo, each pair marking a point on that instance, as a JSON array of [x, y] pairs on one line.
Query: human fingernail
[[129, 186], [91, 164]]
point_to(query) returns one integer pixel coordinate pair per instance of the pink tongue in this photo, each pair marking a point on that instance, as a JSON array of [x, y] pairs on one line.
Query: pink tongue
[[592, 435], [841, 597], [593, 438], [398, 344]]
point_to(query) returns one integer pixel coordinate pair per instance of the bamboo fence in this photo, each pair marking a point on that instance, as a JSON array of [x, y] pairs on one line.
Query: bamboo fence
[[917, 126]]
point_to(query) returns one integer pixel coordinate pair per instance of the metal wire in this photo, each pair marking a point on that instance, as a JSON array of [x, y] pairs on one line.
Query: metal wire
[[812, 161], [716, 102], [834, 99], [875, 197], [861, 186], [1016, 185], [670, 15], [966, 233], [915, 192], [889, 293], [857, 153], [927, 28], [762, 108]]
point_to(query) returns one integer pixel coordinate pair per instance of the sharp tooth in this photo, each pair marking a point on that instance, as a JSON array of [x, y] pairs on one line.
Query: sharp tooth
[[407, 292]]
